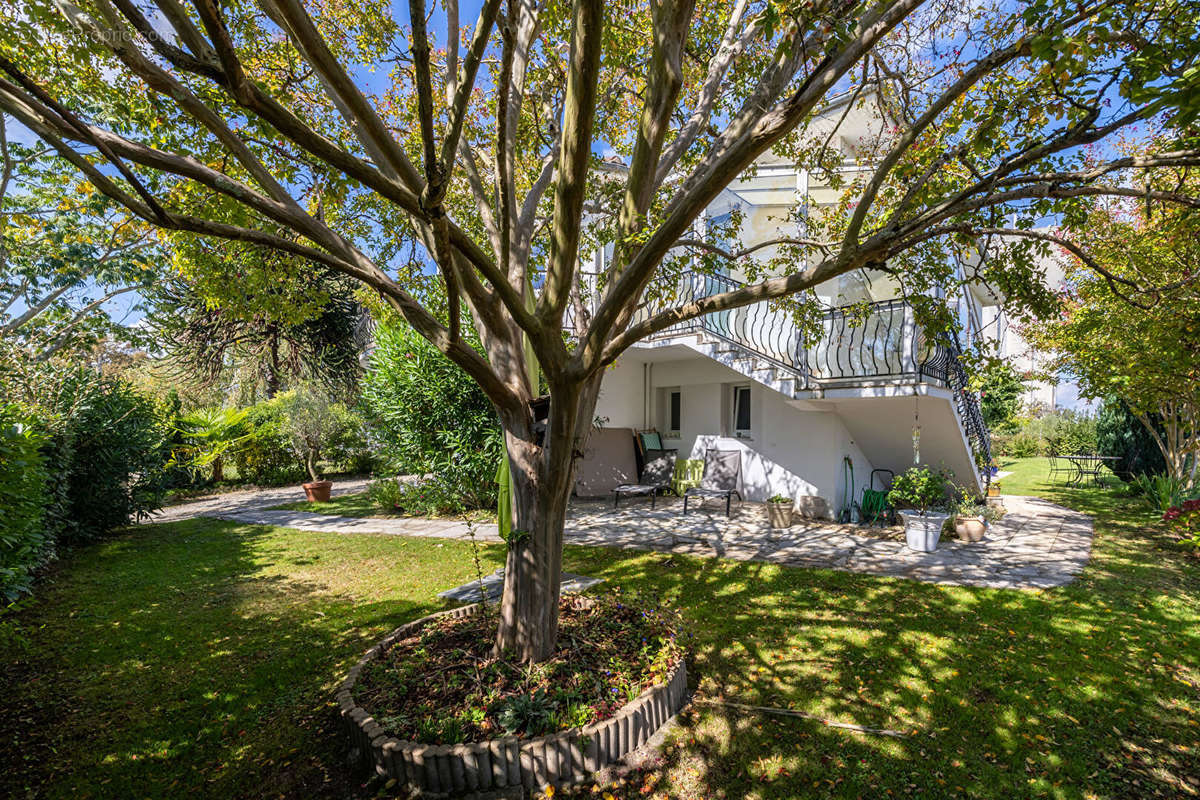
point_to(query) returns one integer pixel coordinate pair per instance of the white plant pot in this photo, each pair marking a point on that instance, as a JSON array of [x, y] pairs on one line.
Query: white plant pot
[[921, 531]]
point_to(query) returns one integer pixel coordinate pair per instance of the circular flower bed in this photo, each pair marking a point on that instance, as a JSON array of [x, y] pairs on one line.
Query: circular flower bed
[[433, 707]]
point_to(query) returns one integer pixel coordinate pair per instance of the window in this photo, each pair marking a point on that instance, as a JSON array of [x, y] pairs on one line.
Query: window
[[670, 411], [741, 411]]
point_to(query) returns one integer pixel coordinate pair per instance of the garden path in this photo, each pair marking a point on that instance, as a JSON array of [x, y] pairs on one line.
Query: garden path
[[1037, 545], [247, 500]]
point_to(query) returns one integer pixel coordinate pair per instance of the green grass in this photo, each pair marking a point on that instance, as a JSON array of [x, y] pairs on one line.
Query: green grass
[[199, 659], [1031, 476], [359, 504]]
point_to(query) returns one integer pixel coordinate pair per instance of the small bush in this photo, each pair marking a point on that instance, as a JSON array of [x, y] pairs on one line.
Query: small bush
[[432, 420], [435, 495], [385, 493], [1184, 519], [920, 488], [265, 456], [1160, 492]]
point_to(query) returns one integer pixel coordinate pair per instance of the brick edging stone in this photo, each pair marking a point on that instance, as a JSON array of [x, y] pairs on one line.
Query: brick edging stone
[[561, 758]]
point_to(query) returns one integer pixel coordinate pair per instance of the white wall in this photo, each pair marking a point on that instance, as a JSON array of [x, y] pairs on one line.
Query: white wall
[[790, 451], [621, 395]]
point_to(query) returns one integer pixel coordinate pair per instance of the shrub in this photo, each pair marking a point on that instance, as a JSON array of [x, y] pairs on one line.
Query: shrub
[[265, 455], [83, 456], [1184, 518], [432, 419], [385, 493], [106, 451], [1160, 492], [1055, 432], [1000, 389], [920, 488], [1064, 432], [25, 543], [1017, 445], [1119, 433]]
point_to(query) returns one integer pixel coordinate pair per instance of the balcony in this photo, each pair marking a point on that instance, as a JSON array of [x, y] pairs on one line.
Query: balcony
[[878, 343]]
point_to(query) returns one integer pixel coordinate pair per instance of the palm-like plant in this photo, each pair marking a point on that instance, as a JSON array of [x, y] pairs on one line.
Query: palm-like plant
[[207, 436]]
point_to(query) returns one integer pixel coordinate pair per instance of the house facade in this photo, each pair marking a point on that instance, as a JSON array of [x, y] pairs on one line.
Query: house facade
[[813, 420]]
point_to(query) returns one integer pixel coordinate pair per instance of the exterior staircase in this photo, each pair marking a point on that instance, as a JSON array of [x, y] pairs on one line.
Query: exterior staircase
[[877, 349]]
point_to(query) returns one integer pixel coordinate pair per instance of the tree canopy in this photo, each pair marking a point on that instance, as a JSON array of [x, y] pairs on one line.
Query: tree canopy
[[278, 323], [1119, 341], [65, 251]]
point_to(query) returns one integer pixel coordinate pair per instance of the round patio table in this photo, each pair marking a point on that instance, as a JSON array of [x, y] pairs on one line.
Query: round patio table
[[1087, 466]]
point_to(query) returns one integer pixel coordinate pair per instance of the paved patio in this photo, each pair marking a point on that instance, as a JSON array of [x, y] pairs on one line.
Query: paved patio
[[1037, 545], [214, 505]]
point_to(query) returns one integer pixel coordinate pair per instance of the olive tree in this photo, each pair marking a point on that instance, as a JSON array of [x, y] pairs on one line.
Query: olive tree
[[492, 157]]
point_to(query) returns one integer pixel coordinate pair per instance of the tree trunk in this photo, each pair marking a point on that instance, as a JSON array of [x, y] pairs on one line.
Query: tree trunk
[[272, 381], [542, 478], [1178, 442]]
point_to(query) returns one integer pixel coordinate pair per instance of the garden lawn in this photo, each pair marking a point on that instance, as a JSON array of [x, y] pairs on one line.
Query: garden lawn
[[199, 659]]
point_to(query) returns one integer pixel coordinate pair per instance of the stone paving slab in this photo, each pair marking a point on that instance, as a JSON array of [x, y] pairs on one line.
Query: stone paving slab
[[248, 500], [1036, 545]]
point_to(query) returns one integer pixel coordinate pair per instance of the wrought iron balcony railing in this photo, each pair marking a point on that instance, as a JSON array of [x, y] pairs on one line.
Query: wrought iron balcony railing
[[881, 342]]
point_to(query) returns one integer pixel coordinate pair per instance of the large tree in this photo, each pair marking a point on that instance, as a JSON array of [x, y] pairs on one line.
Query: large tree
[[335, 132], [1120, 341], [279, 323]]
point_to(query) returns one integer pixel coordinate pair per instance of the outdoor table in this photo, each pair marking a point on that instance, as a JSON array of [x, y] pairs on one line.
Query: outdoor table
[[1087, 466]]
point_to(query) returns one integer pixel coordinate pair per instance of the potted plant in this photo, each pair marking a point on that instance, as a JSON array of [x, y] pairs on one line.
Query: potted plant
[[921, 493], [971, 518], [779, 511], [311, 424]]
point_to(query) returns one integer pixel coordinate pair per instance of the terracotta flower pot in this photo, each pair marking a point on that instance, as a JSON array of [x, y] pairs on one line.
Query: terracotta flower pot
[[780, 514], [970, 529], [318, 492]]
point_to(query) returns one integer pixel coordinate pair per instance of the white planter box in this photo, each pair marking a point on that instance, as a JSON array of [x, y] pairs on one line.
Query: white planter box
[[921, 531]]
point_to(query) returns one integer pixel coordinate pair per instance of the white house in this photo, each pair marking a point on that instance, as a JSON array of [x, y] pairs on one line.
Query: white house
[[871, 396]]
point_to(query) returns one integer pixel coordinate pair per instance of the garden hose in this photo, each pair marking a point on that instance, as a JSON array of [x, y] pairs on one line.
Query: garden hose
[[848, 476]]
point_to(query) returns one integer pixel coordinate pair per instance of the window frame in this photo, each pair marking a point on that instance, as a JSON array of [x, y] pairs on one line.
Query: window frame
[[741, 390], [674, 415]]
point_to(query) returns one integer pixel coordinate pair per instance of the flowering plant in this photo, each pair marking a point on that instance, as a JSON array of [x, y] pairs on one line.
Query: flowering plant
[[1185, 521]]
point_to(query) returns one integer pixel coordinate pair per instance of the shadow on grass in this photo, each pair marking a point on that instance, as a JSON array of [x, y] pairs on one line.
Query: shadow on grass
[[1003, 693], [199, 658]]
